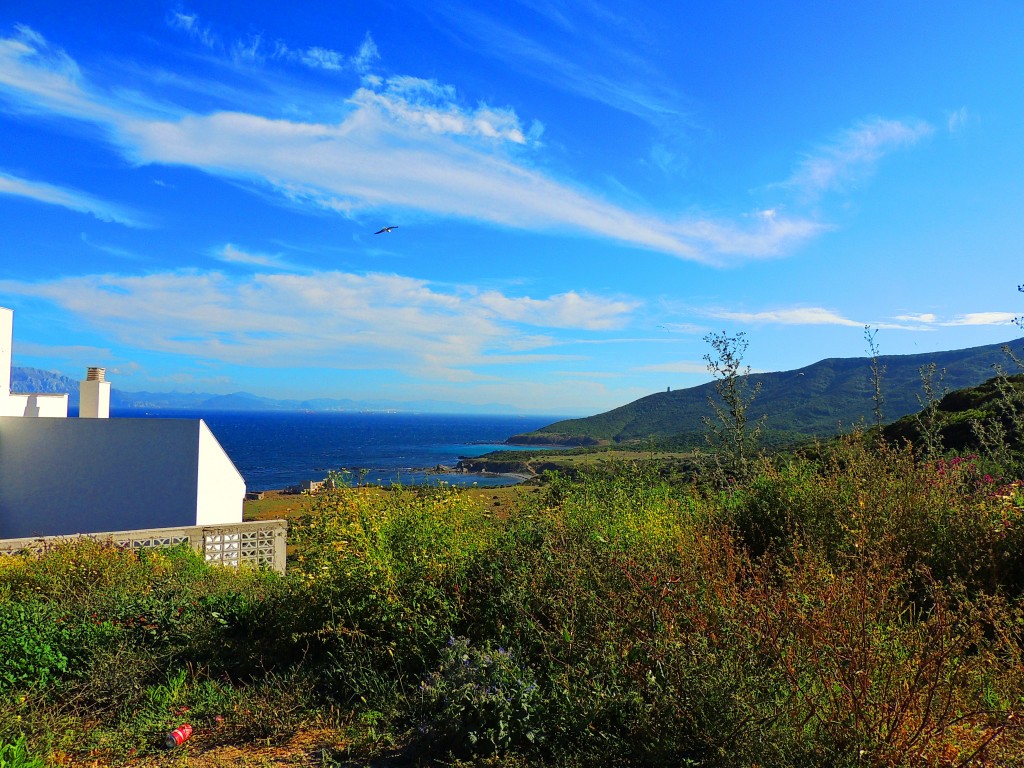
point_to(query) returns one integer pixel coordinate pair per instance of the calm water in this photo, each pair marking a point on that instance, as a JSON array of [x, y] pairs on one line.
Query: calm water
[[278, 449]]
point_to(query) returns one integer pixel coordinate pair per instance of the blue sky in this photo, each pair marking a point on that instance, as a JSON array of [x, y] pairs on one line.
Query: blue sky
[[582, 191]]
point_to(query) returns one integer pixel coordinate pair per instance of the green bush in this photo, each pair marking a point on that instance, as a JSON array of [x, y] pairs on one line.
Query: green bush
[[32, 639], [479, 702], [376, 583], [16, 755]]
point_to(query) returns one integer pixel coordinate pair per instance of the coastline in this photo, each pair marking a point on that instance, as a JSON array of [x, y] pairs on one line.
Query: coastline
[[513, 478]]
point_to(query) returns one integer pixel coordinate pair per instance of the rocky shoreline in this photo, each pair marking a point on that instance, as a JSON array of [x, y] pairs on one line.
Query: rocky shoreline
[[553, 440], [519, 473]]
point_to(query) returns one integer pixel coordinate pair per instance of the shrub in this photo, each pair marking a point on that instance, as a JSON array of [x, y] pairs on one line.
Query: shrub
[[31, 642], [16, 755], [479, 702], [378, 576]]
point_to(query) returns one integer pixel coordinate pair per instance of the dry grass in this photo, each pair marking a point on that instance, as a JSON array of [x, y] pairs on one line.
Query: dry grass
[[277, 505], [305, 748]]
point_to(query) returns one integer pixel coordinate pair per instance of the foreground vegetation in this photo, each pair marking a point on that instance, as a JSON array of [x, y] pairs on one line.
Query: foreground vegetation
[[854, 606]]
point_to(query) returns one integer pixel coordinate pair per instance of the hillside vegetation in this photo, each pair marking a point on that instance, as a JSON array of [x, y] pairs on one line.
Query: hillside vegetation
[[864, 606], [957, 421], [817, 401], [856, 603]]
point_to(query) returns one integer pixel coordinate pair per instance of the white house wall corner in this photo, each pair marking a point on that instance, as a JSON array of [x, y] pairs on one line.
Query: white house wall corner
[[62, 477], [220, 489]]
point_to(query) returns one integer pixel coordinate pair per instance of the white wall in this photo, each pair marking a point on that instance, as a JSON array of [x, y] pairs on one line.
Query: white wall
[[221, 487], [54, 406], [49, 406], [6, 339], [65, 476]]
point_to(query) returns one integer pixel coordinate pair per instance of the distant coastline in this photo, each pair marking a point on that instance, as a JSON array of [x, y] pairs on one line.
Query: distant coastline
[[276, 450]]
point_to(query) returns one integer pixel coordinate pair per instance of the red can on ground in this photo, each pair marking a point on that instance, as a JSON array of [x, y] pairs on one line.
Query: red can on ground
[[178, 736]]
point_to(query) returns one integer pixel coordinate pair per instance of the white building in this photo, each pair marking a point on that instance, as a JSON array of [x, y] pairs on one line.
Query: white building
[[63, 476], [22, 405]]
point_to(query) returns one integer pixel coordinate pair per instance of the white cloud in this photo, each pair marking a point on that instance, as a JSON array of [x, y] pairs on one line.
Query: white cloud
[[316, 57], [798, 316], [43, 77], [417, 103], [567, 310], [67, 198], [820, 316], [322, 58], [254, 49], [969, 318], [248, 50], [982, 318], [765, 233], [854, 154], [323, 319], [232, 255], [189, 24], [366, 56], [407, 144], [925, 317], [958, 120]]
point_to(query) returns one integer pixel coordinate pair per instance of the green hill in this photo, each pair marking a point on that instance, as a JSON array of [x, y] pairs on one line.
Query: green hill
[[817, 401], [956, 413]]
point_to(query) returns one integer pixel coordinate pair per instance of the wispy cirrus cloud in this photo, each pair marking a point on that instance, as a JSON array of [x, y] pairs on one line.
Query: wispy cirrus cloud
[[982, 318], [419, 103], [607, 64], [794, 316], [325, 319], [403, 143], [190, 24], [43, 78], [71, 199], [958, 120], [969, 318], [254, 48], [854, 154], [362, 61], [821, 316], [231, 254]]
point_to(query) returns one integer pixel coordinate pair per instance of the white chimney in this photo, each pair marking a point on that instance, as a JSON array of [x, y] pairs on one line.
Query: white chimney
[[94, 402]]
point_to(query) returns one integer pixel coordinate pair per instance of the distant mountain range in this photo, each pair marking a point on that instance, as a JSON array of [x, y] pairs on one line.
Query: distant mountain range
[[38, 381], [817, 401]]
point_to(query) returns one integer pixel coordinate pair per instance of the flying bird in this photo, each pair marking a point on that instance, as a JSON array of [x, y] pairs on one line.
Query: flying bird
[[384, 229]]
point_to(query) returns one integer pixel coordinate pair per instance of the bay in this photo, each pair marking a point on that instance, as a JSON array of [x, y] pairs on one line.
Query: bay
[[278, 449]]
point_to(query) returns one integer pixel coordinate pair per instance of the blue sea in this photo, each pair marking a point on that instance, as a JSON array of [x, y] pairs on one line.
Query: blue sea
[[275, 450]]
